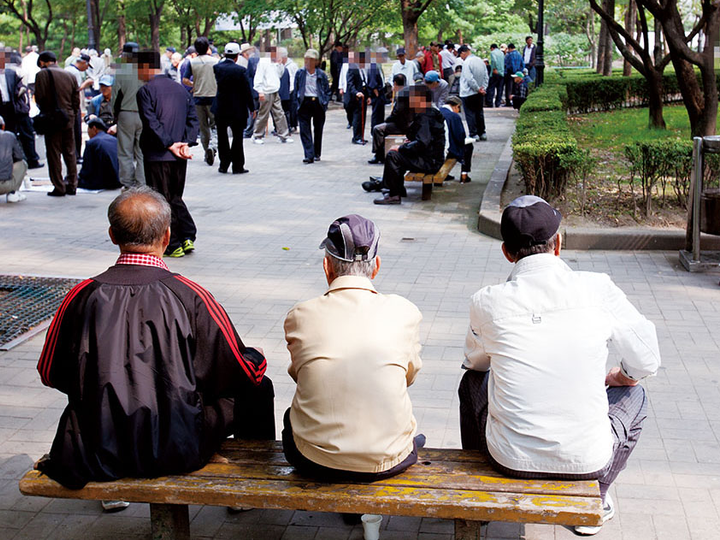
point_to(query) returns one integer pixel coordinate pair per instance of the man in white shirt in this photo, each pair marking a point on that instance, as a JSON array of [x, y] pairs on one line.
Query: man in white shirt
[[447, 58], [404, 66], [534, 398], [473, 86], [267, 84], [529, 53]]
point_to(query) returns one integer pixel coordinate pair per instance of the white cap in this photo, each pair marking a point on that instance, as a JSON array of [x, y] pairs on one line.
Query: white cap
[[245, 47], [232, 48]]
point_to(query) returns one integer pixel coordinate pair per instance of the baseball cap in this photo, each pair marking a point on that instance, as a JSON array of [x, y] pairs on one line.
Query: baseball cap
[[352, 238], [418, 76], [528, 221], [400, 50], [432, 76], [106, 80], [232, 48], [93, 120], [46, 56], [84, 57], [312, 53], [170, 49], [518, 74], [131, 47], [245, 47]]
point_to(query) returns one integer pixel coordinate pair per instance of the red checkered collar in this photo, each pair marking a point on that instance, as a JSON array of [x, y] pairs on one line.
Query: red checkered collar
[[141, 259]]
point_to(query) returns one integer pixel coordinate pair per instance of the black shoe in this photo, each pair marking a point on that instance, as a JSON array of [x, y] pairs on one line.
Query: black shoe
[[56, 193], [349, 126], [317, 158], [37, 165], [352, 519], [241, 171], [209, 156], [376, 179], [306, 160], [449, 177], [387, 199], [464, 179], [70, 191], [222, 170], [376, 161], [359, 141], [371, 186]]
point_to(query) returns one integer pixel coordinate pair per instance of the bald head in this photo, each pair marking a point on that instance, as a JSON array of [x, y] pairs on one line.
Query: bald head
[[139, 219]]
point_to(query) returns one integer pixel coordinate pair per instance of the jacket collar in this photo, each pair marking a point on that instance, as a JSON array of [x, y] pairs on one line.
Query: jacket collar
[[351, 282], [539, 262]]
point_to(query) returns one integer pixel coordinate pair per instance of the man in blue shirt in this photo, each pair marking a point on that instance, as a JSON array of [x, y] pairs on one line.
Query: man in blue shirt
[[100, 159], [513, 64]]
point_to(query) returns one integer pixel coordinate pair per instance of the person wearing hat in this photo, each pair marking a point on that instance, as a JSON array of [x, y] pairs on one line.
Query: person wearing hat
[[231, 108], [166, 59], [313, 95], [101, 105], [353, 353], [534, 396], [519, 92], [403, 65], [249, 59], [473, 86], [100, 159], [56, 89], [129, 127], [79, 70], [12, 165], [460, 147], [438, 87]]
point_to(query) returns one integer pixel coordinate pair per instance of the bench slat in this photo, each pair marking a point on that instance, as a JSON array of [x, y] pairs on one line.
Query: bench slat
[[354, 498]]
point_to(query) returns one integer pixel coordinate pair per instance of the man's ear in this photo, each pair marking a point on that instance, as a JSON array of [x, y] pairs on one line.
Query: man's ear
[[112, 238], [328, 270], [558, 244], [166, 239], [377, 267], [507, 254]]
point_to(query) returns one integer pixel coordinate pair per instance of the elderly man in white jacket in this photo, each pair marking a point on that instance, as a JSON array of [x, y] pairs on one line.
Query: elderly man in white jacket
[[267, 85]]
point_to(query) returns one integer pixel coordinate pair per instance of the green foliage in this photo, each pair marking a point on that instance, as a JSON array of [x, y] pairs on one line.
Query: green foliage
[[563, 49]]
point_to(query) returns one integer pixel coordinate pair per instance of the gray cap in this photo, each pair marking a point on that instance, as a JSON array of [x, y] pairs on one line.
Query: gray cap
[[352, 238]]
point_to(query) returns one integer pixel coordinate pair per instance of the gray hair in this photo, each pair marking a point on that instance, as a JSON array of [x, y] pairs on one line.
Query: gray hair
[[139, 217], [282, 52], [355, 268], [2, 122], [547, 247]]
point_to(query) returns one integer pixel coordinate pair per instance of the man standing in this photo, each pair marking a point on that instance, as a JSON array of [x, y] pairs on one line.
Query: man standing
[[12, 165], [249, 60], [376, 89], [232, 104], [397, 122], [473, 86], [447, 58], [204, 91], [438, 87], [353, 354], [129, 127], [169, 127], [79, 69], [267, 84], [528, 54], [29, 67], [404, 66], [497, 77], [100, 160], [356, 98], [534, 398], [513, 64], [56, 89], [155, 373], [313, 95], [336, 62], [166, 60], [288, 95]]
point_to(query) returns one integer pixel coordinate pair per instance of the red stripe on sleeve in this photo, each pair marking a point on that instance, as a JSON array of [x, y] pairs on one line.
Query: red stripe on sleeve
[[45, 362]]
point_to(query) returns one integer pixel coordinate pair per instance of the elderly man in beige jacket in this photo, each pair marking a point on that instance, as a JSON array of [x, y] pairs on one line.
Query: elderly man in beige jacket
[[354, 352]]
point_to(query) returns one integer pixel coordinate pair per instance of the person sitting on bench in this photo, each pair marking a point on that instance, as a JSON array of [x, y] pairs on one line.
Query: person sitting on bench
[[353, 354], [155, 373], [396, 123], [460, 145], [537, 398], [424, 152]]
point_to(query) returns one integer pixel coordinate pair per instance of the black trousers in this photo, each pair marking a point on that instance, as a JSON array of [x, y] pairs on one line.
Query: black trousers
[[327, 474], [474, 114], [627, 412], [517, 102], [494, 90], [290, 108], [168, 178], [378, 111], [78, 135], [466, 158], [61, 143], [379, 132], [396, 165], [508, 88], [359, 117], [234, 155], [311, 138]]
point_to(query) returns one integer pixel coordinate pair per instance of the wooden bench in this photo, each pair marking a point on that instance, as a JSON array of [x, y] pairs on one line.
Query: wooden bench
[[447, 484], [429, 179]]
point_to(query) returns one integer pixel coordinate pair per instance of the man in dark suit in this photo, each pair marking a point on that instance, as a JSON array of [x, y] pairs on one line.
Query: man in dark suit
[[15, 109], [336, 62], [56, 88], [356, 98], [232, 104], [396, 123], [170, 126], [313, 95], [376, 87]]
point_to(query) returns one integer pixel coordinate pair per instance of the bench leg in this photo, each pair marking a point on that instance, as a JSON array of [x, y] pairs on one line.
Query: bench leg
[[468, 530], [170, 522], [426, 191]]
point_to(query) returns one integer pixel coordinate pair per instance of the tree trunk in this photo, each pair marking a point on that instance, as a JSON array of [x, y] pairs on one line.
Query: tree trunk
[[602, 46], [630, 22], [122, 29], [410, 34], [654, 83], [609, 6]]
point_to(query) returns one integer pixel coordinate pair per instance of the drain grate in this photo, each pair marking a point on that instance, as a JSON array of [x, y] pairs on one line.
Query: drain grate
[[28, 301]]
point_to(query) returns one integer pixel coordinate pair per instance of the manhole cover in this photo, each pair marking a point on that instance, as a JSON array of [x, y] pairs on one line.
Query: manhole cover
[[28, 301]]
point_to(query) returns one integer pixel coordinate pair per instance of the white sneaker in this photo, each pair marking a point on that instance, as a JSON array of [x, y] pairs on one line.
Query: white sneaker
[[114, 506], [287, 140], [608, 514], [258, 140], [15, 196]]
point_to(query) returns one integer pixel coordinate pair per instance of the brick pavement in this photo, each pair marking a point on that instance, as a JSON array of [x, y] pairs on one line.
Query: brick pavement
[[431, 254]]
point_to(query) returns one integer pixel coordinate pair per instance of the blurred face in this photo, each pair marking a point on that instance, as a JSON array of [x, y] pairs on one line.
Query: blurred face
[[3, 59], [92, 131], [464, 54], [146, 72], [82, 65], [431, 85], [310, 64], [106, 91], [401, 57], [417, 103], [529, 41], [274, 56], [455, 108]]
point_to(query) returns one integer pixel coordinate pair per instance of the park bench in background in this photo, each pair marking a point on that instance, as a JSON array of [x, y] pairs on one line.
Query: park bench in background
[[445, 483], [429, 179]]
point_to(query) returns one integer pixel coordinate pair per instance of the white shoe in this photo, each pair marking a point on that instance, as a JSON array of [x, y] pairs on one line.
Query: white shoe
[[287, 140], [258, 140], [114, 506], [608, 513], [27, 184], [15, 196]]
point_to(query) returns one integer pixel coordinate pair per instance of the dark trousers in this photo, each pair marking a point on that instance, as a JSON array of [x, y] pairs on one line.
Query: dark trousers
[[474, 114], [378, 111], [290, 108], [250, 128], [379, 132], [627, 412], [359, 117], [465, 159], [396, 165], [168, 178], [311, 138], [508, 88], [517, 102], [495, 90], [228, 155], [334, 87], [78, 135], [62, 143], [327, 474]]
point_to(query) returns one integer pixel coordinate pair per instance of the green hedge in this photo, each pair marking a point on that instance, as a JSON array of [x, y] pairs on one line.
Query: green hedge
[[542, 143]]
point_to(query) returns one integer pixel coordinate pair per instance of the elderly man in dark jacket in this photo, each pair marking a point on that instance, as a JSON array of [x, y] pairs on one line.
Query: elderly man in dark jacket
[[155, 373], [313, 95], [232, 104], [12, 165], [424, 151], [398, 121]]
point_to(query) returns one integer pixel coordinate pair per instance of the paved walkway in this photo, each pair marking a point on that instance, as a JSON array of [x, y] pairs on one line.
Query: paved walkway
[[257, 252]]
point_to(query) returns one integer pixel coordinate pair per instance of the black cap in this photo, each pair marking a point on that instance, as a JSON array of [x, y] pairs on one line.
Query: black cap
[[93, 120], [352, 238], [528, 221], [46, 56], [131, 47], [84, 57]]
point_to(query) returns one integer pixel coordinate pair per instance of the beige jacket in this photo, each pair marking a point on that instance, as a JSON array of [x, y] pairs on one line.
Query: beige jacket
[[353, 354]]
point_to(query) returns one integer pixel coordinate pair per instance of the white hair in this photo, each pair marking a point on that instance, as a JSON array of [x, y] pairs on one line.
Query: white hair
[[282, 52], [355, 268]]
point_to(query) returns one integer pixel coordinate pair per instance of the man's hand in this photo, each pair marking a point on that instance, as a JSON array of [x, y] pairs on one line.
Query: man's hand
[[180, 150], [617, 378], [495, 71], [112, 130], [396, 148], [482, 91], [359, 95], [261, 97]]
